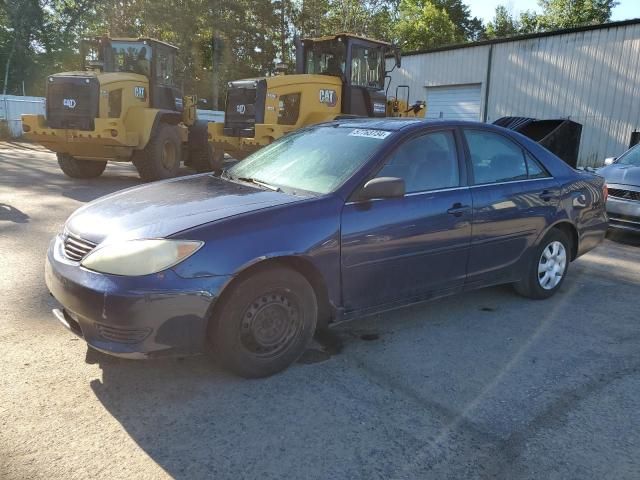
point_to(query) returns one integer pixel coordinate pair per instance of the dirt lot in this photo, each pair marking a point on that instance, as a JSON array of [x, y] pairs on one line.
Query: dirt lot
[[482, 385]]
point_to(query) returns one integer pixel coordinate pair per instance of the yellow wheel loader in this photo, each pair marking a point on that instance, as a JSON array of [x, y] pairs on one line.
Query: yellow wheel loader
[[125, 105], [337, 75]]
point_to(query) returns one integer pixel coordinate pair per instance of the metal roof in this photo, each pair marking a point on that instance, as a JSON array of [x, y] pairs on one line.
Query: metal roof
[[527, 36], [345, 34]]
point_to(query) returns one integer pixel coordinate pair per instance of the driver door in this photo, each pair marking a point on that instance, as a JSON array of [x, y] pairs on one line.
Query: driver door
[[399, 249]]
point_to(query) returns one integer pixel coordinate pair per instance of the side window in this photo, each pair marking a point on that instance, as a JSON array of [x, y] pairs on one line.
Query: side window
[[495, 158], [288, 109], [534, 169], [427, 162], [165, 68]]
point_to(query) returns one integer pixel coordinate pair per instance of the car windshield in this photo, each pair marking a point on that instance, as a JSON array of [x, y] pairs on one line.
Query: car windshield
[[632, 157], [318, 160]]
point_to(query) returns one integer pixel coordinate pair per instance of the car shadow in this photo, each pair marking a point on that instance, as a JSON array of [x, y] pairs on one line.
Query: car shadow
[[12, 214], [623, 237], [482, 351]]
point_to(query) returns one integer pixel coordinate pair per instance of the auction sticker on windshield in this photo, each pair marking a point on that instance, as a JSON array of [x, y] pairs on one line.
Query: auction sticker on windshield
[[365, 132]]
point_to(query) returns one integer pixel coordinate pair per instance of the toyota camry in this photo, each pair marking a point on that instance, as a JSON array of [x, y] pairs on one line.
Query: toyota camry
[[329, 223]]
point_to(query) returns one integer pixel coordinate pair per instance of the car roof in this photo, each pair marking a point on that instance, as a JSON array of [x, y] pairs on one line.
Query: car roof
[[400, 123]]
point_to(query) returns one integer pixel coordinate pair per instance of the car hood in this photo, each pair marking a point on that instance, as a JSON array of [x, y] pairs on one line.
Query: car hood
[[622, 174], [164, 208]]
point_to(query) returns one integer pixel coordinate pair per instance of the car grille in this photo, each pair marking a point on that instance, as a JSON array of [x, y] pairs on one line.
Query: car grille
[[122, 335], [625, 194], [76, 248]]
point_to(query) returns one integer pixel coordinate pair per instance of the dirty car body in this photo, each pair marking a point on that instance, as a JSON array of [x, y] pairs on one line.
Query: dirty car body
[[623, 182], [454, 232]]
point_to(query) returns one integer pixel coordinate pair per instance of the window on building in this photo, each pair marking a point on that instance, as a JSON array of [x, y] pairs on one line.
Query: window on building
[[427, 162]]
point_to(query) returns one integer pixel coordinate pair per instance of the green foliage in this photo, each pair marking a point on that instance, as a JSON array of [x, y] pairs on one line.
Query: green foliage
[[573, 13], [467, 27], [38, 37], [502, 25], [556, 14], [423, 25]]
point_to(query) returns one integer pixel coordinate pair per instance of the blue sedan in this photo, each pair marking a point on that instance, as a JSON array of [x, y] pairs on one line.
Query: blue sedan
[[332, 222]]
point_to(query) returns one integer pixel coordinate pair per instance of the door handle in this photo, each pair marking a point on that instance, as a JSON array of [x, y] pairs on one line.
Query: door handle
[[547, 195], [457, 210]]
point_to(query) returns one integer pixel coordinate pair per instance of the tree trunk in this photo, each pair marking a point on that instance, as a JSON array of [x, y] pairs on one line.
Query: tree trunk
[[8, 66]]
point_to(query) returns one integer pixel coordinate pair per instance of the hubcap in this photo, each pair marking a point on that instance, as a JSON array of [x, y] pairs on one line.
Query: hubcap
[[168, 155], [270, 324], [552, 264]]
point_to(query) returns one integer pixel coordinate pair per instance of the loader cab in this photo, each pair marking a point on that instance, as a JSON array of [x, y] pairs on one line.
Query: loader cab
[[358, 61], [151, 58]]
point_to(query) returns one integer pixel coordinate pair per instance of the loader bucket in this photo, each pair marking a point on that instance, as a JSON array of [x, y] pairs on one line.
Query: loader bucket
[[559, 136]]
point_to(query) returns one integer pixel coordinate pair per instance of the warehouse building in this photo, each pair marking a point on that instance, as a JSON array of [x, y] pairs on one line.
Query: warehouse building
[[590, 75]]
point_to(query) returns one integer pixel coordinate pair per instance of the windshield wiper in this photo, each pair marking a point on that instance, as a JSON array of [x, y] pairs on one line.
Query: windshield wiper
[[260, 183]]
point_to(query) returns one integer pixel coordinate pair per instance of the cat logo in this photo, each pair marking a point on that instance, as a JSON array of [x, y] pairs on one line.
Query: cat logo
[[139, 92], [328, 97], [69, 103]]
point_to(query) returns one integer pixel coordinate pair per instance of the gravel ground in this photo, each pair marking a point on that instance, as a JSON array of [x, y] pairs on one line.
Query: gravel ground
[[481, 385]]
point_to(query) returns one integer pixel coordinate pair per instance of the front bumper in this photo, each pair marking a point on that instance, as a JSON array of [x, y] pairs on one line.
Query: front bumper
[[132, 317], [623, 214]]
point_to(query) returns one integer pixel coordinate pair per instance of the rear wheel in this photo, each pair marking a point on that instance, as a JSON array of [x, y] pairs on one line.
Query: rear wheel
[[162, 156], [74, 168], [265, 322], [547, 268]]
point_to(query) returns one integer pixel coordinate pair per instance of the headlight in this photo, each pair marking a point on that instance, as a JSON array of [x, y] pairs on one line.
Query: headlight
[[140, 257]]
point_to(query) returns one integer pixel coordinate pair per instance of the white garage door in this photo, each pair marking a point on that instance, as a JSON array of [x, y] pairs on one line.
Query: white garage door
[[460, 102]]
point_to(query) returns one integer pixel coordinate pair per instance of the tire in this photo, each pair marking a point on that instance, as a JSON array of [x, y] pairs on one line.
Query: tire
[[162, 156], [207, 159], [74, 168], [264, 323], [547, 268]]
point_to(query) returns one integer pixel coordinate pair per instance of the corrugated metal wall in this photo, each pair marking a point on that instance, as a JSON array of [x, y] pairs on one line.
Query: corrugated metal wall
[[13, 106], [592, 77]]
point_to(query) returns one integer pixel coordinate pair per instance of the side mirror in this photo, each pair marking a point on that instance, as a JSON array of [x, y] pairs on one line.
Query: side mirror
[[609, 161], [382, 187]]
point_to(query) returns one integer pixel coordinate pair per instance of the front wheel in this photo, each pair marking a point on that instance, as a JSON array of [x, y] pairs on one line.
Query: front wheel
[[265, 322], [74, 168], [548, 267], [162, 156]]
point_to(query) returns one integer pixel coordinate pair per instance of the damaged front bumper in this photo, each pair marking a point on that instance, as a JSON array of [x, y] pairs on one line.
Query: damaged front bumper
[[132, 317]]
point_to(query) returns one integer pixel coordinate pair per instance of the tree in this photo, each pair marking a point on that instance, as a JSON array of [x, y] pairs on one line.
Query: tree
[[574, 13], [556, 14], [468, 27], [422, 25], [502, 25]]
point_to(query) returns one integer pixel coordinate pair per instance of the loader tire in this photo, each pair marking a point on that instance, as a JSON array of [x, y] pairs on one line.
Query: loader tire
[[202, 157], [161, 158], [74, 168]]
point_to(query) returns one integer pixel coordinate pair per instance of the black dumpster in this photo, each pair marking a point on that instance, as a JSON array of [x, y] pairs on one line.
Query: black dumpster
[[560, 136]]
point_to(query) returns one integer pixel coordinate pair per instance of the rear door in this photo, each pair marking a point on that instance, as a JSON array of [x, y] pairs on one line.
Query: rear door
[[397, 249], [514, 198]]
